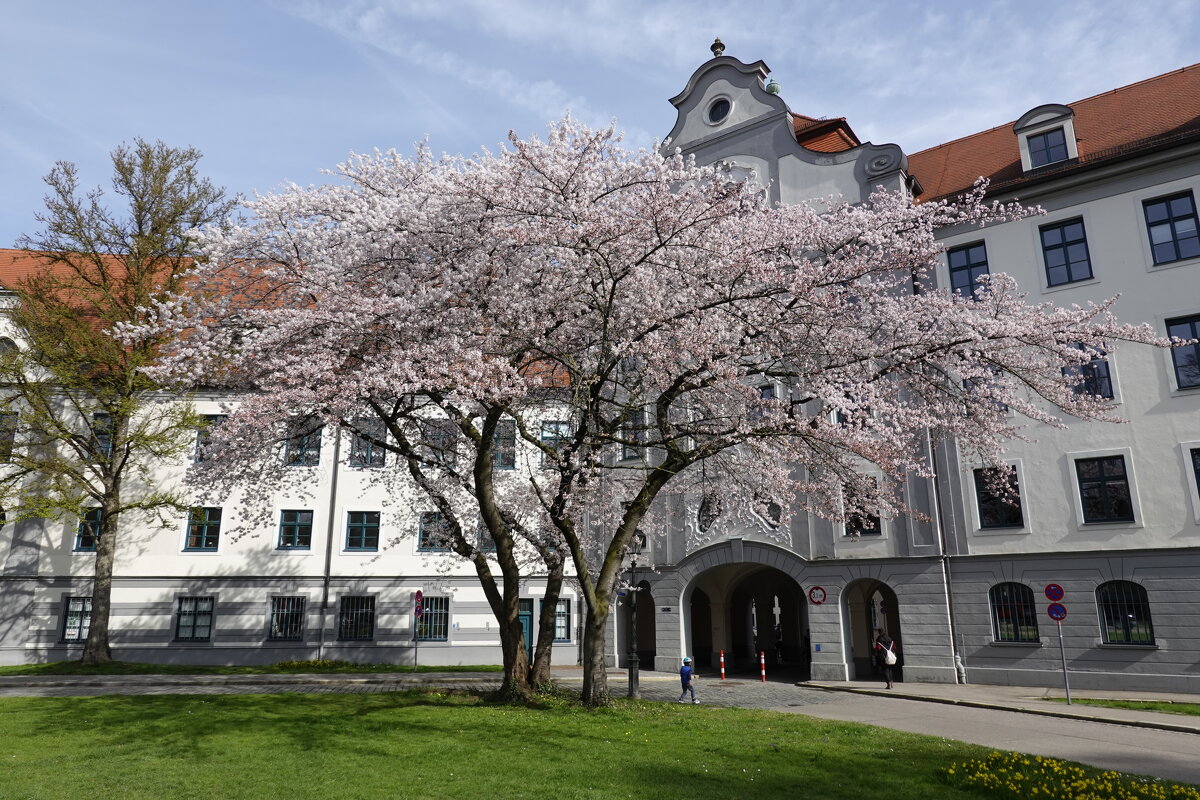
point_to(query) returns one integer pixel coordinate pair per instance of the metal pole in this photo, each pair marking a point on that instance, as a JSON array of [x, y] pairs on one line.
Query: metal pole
[[634, 660], [1062, 651]]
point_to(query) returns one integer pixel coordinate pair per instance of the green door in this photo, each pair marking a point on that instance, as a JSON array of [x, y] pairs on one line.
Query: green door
[[525, 615]]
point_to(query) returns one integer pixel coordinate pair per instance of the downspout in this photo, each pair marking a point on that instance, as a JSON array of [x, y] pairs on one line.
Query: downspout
[[329, 533], [960, 669]]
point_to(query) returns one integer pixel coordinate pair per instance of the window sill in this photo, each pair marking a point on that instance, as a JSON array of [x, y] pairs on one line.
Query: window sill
[[358, 550], [1016, 644], [1001, 530], [1058, 287], [1131, 646]]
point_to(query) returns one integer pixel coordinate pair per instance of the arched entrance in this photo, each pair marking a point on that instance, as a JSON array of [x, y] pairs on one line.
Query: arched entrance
[[646, 630], [870, 605]]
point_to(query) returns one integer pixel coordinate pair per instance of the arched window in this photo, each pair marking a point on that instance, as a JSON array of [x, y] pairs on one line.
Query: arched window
[[1014, 616], [7, 345], [1124, 613]]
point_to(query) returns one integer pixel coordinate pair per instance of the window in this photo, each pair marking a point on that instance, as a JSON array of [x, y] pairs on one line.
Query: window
[[362, 530], [8, 436], [504, 445], [1065, 253], [433, 534], [434, 624], [366, 445], [287, 619], [204, 528], [1195, 453], [562, 620], [1186, 358], [102, 430], [484, 539], [204, 434], [967, 265], [440, 442], [634, 433], [88, 532], [1124, 613], [1047, 148], [863, 525], [1014, 615], [194, 619], [555, 435], [996, 509], [77, 621], [303, 447], [1090, 378], [295, 530], [356, 618], [1104, 489], [1171, 225]]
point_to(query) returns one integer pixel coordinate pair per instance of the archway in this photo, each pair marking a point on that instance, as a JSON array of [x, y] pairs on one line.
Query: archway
[[868, 606]]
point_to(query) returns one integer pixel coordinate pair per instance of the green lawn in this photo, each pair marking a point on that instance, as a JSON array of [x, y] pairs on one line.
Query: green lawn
[[449, 747], [1189, 709], [129, 668]]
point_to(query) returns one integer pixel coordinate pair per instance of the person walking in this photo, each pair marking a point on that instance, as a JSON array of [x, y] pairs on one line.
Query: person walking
[[687, 677], [885, 654]]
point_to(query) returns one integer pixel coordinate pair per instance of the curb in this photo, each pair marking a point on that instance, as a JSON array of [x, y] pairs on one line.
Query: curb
[[949, 701]]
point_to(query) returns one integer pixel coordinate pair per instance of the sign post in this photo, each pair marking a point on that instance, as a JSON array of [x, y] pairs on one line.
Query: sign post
[[418, 612], [1058, 612]]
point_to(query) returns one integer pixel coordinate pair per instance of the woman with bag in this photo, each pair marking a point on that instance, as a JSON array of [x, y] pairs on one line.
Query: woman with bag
[[885, 654]]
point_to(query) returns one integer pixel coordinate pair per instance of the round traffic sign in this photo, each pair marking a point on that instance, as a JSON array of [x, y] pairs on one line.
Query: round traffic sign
[[1057, 611], [419, 604], [1054, 592], [816, 595]]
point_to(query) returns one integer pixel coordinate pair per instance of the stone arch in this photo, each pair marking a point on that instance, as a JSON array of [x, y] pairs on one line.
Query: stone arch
[[867, 605]]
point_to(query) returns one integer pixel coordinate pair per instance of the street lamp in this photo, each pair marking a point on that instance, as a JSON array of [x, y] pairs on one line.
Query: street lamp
[[636, 545]]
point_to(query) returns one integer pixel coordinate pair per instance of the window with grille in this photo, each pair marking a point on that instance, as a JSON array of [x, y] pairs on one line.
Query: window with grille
[[634, 432], [434, 624], [1104, 489], [555, 435], [362, 530], [8, 436], [1065, 253], [440, 442], [356, 618], [1014, 614], [287, 618], [997, 509], [1124, 613], [204, 528], [484, 539], [77, 620], [88, 532], [1171, 225], [204, 434], [102, 430], [967, 265], [295, 529], [194, 619], [1090, 378], [504, 445], [1047, 148], [1187, 358], [366, 445], [433, 533], [303, 447], [562, 620]]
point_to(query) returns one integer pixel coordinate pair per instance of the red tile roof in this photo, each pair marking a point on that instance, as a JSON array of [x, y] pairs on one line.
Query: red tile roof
[[1120, 121], [824, 135]]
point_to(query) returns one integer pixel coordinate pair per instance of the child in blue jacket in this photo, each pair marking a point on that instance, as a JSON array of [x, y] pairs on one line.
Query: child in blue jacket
[[685, 677]]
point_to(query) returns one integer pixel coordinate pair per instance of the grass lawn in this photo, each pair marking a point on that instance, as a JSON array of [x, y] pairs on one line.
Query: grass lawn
[[1189, 709], [129, 668], [446, 746]]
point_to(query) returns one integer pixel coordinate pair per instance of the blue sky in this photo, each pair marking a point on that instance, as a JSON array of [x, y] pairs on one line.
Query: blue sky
[[277, 91]]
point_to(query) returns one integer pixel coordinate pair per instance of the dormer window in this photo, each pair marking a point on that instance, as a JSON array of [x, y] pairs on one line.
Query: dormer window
[[1047, 148]]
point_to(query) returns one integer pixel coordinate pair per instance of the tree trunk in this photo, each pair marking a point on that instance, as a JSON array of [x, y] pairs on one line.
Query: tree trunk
[[516, 662], [539, 675], [97, 649], [595, 673]]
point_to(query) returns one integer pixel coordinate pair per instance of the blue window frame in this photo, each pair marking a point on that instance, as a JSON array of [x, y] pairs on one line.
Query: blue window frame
[[1065, 253], [504, 445], [1104, 489], [555, 434], [204, 528], [967, 265], [362, 530], [1187, 358], [88, 532], [1171, 225], [102, 430], [434, 624], [303, 447], [204, 434], [562, 620], [433, 535], [287, 619], [295, 529], [1124, 613], [440, 442], [194, 619], [1047, 148], [366, 445], [996, 509], [356, 618], [77, 619], [1014, 613]]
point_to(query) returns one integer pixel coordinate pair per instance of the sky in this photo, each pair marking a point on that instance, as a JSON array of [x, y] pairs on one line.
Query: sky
[[275, 91]]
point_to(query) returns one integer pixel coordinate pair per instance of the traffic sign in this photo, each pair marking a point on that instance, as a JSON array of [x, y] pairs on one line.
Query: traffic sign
[[816, 595], [1054, 592], [419, 604], [1057, 611]]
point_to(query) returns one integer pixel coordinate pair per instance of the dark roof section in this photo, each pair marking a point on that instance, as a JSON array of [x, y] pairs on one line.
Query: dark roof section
[[1141, 116]]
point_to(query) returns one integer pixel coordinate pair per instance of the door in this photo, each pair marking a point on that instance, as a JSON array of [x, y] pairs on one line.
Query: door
[[525, 615]]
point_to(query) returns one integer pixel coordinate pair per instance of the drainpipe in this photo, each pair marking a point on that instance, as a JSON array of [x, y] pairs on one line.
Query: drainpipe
[[960, 669], [329, 534]]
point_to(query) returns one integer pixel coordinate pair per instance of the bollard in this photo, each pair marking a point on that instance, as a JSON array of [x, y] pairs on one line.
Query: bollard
[[762, 664], [722, 665]]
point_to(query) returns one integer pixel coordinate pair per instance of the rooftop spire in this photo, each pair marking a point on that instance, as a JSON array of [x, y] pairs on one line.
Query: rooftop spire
[[718, 49]]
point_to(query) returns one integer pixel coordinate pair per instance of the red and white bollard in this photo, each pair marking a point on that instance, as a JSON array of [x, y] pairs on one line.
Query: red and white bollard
[[762, 664], [722, 665]]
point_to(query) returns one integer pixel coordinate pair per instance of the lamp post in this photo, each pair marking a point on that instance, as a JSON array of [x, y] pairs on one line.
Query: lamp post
[[636, 545]]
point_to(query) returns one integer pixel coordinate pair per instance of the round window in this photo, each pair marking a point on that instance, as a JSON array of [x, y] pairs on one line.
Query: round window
[[719, 110]]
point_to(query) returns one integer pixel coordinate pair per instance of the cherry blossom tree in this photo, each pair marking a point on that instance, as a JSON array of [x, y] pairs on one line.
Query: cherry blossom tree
[[643, 327]]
